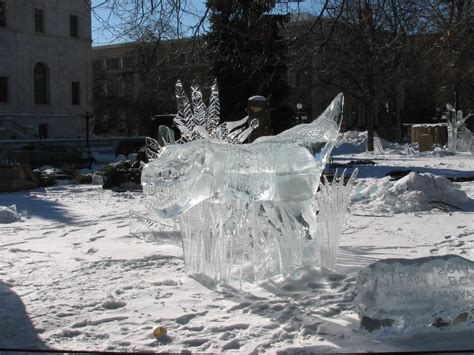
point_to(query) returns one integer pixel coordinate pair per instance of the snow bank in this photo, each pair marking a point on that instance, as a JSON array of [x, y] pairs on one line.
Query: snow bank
[[46, 168], [351, 142], [120, 157], [439, 152], [412, 193], [9, 214], [111, 158], [102, 158], [132, 156], [97, 180], [86, 171], [354, 142]]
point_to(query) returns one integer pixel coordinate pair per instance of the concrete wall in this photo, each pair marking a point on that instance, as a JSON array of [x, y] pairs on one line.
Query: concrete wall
[[68, 59]]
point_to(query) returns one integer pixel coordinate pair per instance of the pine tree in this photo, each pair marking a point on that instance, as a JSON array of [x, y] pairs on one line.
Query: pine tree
[[247, 53]]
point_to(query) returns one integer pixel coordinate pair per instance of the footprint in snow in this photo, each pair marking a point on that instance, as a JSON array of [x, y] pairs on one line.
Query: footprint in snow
[[170, 283], [113, 304], [198, 328], [165, 339], [195, 342], [185, 318], [93, 239], [231, 345], [88, 322]]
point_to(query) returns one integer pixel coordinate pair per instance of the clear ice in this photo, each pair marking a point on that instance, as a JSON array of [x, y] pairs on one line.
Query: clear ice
[[406, 294], [459, 137], [332, 200], [245, 208]]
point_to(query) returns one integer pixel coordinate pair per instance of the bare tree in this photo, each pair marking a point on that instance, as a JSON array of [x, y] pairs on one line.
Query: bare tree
[[364, 48], [121, 20], [451, 53]]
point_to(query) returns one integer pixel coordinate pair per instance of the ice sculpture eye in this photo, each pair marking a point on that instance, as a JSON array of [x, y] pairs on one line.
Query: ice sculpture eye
[[168, 174], [184, 157]]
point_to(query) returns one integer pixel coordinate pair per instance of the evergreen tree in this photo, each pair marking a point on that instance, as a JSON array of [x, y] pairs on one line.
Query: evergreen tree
[[247, 53]]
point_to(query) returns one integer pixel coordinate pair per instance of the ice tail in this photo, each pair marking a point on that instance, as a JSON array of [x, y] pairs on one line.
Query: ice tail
[[333, 113]]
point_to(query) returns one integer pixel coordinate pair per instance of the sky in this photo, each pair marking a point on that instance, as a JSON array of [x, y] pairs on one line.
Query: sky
[[107, 34]]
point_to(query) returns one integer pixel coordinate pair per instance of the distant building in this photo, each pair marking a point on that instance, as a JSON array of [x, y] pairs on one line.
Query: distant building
[[134, 82], [45, 68]]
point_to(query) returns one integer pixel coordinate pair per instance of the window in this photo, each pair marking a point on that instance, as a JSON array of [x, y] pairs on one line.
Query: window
[[3, 14], [97, 66], [39, 20], [41, 83], [112, 64], [74, 26], [127, 62], [76, 92], [3, 89]]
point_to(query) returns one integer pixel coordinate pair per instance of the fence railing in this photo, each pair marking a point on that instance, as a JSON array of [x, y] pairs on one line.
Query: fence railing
[[50, 150], [10, 123], [108, 143]]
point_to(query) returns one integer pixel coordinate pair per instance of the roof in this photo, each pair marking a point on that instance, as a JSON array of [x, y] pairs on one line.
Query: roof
[[124, 45]]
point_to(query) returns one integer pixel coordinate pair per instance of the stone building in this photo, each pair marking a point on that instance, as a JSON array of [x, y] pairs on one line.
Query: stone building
[[45, 68]]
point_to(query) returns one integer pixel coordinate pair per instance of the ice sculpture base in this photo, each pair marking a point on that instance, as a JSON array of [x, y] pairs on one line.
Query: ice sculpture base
[[407, 294], [237, 239], [231, 239]]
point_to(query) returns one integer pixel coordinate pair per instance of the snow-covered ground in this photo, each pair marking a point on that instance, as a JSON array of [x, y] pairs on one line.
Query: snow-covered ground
[[73, 277]]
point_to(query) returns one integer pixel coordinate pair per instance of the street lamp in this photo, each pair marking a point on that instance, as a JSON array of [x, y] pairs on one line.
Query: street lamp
[[299, 107], [87, 117]]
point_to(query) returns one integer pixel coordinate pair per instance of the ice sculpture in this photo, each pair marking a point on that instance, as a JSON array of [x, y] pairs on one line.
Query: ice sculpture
[[241, 206], [455, 124], [464, 140], [405, 294], [378, 146]]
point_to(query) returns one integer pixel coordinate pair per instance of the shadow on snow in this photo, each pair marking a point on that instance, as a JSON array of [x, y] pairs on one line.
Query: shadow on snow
[[18, 332]]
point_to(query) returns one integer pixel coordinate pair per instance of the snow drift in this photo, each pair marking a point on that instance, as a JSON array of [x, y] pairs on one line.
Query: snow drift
[[414, 192], [9, 214]]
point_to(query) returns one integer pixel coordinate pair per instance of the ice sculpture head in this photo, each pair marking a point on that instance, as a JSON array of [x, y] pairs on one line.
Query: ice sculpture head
[[178, 178]]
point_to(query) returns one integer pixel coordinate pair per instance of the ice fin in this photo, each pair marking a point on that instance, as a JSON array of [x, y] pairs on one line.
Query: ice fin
[[198, 105]]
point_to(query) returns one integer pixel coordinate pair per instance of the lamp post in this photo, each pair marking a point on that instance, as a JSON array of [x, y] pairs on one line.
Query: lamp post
[[87, 117], [299, 107]]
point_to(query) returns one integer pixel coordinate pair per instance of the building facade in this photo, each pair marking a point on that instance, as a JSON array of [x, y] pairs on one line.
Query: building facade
[[134, 83], [45, 68]]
